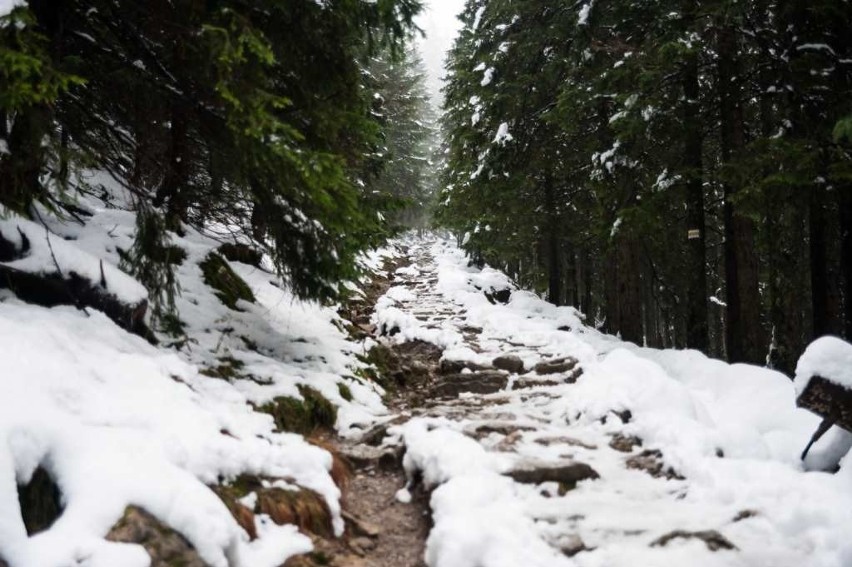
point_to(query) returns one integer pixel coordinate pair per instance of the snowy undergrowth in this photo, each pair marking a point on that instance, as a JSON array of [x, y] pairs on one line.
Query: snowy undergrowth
[[118, 422], [732, 431]]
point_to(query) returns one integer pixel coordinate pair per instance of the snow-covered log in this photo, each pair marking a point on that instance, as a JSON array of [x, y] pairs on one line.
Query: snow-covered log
[[40, 267]]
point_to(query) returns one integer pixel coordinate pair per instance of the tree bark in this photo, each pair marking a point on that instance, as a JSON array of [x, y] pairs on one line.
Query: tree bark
[[697, 336], [744, 333]]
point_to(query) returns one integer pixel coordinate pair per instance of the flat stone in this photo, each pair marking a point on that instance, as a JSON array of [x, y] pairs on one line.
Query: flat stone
[[557, 366], [362, 545], [625, 443], [713, 539], [509, 363], [483, 382], [360, 527], [527, 382], [566, 473], [366, 456], [651, 461], [376, 434], [456, 366]]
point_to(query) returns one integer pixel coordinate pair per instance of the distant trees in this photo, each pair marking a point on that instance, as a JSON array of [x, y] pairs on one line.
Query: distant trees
[[678, 170], [250, 116]]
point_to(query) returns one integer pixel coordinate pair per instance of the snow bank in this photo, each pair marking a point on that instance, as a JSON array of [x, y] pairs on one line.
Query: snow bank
[[117, 422]]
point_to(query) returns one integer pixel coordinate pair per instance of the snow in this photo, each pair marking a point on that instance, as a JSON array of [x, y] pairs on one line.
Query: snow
[[503, 136], [49, 253], [6, 6], [583, 16], [117, 422], [829, 358], [733, 433]]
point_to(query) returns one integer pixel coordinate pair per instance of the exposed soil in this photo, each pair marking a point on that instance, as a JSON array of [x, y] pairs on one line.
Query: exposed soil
[[380, 530]]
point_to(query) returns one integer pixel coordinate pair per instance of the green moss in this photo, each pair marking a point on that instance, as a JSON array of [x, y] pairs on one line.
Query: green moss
[[304, 416], [345, 392], [382, 361], [228, 369], [229, 287]]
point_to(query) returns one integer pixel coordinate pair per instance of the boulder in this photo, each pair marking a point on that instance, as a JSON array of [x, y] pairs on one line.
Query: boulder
[[165, 546], [566, 474], [456, 366], [483, 382], [557, 366], [509, 363], [713, 539]]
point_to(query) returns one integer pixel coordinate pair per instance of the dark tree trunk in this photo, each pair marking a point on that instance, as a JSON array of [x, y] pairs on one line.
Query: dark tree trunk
[[744, 333], [696, 317], [845, 202], [819, 263], [629, 289]]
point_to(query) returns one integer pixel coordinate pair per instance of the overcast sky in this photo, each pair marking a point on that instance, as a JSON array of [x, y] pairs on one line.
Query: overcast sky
[[441, 27]]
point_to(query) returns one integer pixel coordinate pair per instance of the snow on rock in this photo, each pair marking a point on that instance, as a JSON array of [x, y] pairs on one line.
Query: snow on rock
[[826, 357]]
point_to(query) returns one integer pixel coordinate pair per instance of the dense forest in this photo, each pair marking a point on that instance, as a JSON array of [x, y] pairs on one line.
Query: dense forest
[[680, 171], [300, 128]]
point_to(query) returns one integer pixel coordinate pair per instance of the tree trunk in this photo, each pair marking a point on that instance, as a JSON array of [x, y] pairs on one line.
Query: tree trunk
[[845, 201], [744, 333], [629, 289], [696, 318]]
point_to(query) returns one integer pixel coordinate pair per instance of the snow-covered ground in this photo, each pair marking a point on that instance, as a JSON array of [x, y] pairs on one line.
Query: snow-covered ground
[[729, 434], [117, 422]]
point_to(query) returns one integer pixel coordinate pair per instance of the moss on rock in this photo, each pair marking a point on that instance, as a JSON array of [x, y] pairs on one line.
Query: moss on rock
[[229, 287], [303, 416]]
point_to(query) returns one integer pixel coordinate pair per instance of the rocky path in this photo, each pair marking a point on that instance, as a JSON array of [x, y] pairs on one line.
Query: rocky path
[[498, 454]]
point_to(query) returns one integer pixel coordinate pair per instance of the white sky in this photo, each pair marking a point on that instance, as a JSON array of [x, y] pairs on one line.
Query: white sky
[[441, 26]]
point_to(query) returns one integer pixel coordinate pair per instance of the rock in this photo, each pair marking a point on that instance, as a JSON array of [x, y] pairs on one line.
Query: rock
[[359, 527], [570, 544], [362, 545], [509, 363], [557, 366], [566, 474], [376, 434], [651, 461], [528, 382], [241, 253], [483, 382], [714, 540], [625, 443], [549, 441], [456, 366], [165, 546], [366, 456], [498, 296], [40, 501]]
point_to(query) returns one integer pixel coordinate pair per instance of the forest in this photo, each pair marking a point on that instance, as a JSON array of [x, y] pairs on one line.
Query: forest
[[299, 128], [679, 171], [273, 293]]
